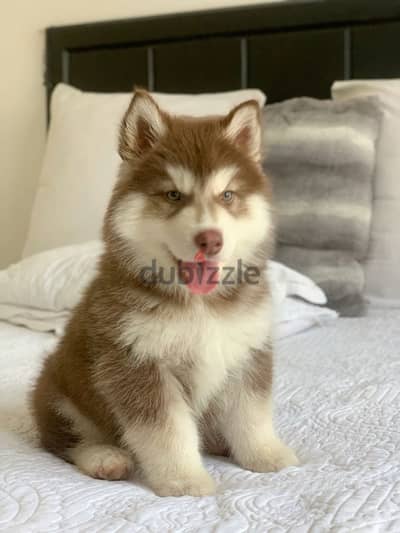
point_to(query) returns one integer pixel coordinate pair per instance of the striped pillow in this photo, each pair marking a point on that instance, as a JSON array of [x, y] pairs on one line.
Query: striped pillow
[[321, 158]]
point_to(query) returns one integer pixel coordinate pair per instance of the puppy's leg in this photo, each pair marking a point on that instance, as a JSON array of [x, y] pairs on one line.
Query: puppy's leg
[[168, 452], [159, 429], [91, 452], [246, 421]]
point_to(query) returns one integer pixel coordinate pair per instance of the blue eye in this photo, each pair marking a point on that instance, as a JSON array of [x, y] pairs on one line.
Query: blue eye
[[174, 196], [227, 196]]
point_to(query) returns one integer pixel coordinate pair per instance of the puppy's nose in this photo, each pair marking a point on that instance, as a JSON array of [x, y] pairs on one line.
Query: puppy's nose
[[209, 242]]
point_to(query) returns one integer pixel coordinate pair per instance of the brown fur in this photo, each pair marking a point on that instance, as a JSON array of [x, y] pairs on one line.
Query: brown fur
[[258, 376]]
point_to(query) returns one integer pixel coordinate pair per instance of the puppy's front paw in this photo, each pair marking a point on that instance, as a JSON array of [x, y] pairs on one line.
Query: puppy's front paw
[[271, 458], [200, 484]]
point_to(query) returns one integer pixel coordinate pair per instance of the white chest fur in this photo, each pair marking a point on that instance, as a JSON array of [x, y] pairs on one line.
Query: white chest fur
[[214, 344]]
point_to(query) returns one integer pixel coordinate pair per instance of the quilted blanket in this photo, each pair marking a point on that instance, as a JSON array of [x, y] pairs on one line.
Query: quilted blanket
[[337, 398]]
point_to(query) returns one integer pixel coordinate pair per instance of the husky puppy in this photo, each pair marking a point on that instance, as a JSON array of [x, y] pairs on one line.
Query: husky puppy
[[159, 361]]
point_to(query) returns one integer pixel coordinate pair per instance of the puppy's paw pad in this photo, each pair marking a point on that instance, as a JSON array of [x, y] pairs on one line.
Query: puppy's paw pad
[[201, 485], [283, 457], [114, 468], [105, 462]]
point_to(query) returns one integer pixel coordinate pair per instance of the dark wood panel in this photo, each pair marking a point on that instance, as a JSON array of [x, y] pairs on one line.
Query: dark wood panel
[[376, 51], [208, 23], [306, 63], [198, 66], [107, 70], [294, 48]]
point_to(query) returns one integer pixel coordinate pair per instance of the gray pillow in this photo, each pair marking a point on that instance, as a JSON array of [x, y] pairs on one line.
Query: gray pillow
[[320, 155]]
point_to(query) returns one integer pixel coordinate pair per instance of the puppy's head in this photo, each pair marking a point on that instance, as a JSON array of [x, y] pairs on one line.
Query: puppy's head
[[189, 186]]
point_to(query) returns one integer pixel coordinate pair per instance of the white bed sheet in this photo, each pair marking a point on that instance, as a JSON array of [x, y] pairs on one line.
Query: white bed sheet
[[337, 398]]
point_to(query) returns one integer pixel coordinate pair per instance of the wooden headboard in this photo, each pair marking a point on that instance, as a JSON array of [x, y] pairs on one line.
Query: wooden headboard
[[295, 48]]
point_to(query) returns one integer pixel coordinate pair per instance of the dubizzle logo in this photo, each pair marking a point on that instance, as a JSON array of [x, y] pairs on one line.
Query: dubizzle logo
[[201, 276]]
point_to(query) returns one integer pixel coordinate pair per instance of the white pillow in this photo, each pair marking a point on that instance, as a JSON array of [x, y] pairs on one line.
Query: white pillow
[[51, 281], [382, 270], [81, 160], [40, 291]]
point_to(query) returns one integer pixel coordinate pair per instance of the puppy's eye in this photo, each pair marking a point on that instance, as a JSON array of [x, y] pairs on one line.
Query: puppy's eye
[[174, 196], [227, 196]]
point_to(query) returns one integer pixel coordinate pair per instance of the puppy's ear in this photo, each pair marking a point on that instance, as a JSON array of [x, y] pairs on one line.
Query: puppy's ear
[[242, 127], [143, 124]]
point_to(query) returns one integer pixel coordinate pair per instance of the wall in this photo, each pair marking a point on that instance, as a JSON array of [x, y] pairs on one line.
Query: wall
[[22, 95]]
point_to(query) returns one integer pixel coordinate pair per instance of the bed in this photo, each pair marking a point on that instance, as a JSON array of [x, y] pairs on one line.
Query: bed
[[337, 403], [337, 392]]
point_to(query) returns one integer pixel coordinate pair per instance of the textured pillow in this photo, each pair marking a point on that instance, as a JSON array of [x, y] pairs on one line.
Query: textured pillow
[[321, 158], [382, 268], [81, 160]]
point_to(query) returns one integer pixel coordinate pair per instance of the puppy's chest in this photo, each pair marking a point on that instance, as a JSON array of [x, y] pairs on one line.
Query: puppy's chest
[[205, 346]]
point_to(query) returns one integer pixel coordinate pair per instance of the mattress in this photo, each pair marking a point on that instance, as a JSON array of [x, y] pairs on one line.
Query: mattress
[[337, 403]]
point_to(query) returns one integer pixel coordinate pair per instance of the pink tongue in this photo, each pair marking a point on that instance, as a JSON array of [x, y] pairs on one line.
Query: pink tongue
[[201, 276]]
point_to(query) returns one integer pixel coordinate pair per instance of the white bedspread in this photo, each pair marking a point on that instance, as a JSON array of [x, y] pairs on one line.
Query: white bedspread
[[337, 403]]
